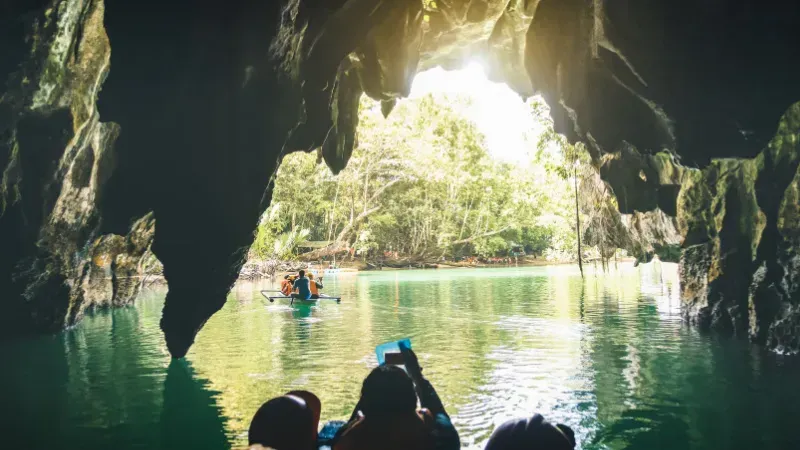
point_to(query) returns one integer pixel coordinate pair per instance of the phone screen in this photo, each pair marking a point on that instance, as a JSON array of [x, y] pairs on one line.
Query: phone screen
[[394, 358]]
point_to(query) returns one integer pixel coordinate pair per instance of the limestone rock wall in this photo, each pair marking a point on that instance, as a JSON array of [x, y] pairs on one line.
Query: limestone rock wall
[[774, 297], [206, 95], [643, 234], [209, 97], [739, 266], [56, 156], [652, 233]]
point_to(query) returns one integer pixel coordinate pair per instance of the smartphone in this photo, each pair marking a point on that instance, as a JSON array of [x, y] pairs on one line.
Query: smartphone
[[394, 358], [384, 351]]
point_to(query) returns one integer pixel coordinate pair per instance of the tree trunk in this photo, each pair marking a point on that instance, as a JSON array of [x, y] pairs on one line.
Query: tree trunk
[[333, 210], [353, 222], [578, 221], [478, 236], [464, 221], [357, 219], [366, 188]]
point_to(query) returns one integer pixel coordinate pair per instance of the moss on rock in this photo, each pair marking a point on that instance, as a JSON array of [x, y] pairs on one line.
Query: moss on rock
[[739, 222], [58, 157]]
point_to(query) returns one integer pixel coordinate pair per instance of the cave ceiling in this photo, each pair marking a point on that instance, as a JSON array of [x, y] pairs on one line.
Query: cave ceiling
[[698, 79], [204, 99]]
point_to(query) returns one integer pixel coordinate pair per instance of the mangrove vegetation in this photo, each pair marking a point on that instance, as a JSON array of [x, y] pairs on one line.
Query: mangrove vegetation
[[423, 185]]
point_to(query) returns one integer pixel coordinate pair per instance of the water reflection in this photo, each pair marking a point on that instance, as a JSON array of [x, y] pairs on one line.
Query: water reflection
[[608, 355], [497, 343], [189, 416], [107, 383]]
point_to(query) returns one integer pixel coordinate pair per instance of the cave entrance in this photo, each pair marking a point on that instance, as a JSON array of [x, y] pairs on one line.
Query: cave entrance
[[462, 172]]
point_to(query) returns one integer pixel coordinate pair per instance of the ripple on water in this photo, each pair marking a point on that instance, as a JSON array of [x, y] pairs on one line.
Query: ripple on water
[[607, 355]]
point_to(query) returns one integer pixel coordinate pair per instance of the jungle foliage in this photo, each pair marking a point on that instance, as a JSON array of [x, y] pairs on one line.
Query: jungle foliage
[[422, 183]]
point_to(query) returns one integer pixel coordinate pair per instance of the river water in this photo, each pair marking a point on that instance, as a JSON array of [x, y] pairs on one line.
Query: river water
[[608, 356]]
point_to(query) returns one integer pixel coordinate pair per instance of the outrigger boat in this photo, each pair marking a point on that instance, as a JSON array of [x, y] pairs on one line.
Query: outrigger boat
[[272, 298]]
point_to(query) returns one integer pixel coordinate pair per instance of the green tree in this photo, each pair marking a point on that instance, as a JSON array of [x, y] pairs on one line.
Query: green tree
[[422, 183]]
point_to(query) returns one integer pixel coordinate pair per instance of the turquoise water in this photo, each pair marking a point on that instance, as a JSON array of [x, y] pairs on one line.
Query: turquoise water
[[608, 356]]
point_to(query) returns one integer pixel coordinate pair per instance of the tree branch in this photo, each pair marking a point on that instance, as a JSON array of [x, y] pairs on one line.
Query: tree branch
[[356, 220], [478, 236], [381, 189]]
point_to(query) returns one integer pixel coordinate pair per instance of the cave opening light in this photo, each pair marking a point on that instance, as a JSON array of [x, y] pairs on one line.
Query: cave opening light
[[509, 122]]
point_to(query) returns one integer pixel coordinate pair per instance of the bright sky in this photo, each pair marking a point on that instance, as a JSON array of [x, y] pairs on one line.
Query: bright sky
[[498, 112]]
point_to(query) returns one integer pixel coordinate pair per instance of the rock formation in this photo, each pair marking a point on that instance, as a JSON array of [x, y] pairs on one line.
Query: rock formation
[[611, 221], [209, 96], [56, 158], [739, 267]]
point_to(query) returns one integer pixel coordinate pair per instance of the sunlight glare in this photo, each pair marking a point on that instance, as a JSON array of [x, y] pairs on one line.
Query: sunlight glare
[[501, 114]]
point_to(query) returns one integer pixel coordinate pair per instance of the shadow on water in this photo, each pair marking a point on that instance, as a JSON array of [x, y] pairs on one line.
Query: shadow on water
[[29, 400], [190, 417], [105, 384], [646, 428]]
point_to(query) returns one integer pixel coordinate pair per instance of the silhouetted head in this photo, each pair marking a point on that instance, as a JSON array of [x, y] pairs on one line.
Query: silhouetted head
[[531, 434], [314, 404], [287, 276], [301, 274], [284, 423], [388, 392]]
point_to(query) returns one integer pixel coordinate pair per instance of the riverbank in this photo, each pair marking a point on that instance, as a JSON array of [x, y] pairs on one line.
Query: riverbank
[[267, 269]]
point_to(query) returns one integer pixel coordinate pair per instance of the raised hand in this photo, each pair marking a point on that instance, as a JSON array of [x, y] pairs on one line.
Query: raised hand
[[411, 361]]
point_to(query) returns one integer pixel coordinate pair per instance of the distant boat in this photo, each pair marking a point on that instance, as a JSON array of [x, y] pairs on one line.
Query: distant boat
[[337, 270], [272, 298]]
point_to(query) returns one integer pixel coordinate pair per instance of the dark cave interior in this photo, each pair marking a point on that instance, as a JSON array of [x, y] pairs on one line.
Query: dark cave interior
[[130, 123]]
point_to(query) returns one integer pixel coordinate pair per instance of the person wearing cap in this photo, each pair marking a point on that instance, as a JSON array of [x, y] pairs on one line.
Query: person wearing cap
[[288, 422], [531, 434]]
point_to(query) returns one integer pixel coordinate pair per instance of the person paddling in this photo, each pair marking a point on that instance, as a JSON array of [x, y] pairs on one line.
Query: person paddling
[[314, 285], [302, 289]]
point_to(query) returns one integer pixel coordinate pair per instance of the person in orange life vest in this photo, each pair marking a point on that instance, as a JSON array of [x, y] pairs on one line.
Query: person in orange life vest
[[286, 284], [314, 285]]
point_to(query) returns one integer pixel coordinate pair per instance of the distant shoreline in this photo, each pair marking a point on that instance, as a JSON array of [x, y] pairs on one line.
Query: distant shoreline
[[251, 271], [537, 263]]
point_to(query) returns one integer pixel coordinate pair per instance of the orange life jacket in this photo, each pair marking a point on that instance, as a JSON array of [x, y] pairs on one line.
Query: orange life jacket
[[286, 287], [312, 285]]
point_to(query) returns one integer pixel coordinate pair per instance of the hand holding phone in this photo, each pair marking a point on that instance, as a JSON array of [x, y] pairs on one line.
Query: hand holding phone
[[390, 352], [410, 360]]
